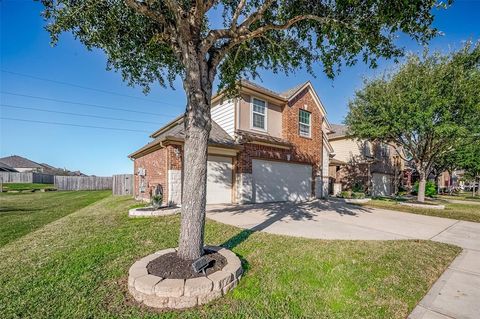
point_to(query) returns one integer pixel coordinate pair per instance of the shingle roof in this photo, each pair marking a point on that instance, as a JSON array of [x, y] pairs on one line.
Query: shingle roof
[[339, 130], [218, 136], [246, 136], [5, 168], [288, 93], [18, 161]]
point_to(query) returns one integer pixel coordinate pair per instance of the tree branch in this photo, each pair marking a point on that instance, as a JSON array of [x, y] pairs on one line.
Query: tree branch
[[237, 13], [146, 11]]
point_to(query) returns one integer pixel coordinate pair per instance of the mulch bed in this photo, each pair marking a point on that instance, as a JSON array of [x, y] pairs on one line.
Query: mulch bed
[[172, 267]]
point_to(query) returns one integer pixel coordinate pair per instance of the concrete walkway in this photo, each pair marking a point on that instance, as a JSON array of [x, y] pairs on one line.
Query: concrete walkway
[[456, 294]]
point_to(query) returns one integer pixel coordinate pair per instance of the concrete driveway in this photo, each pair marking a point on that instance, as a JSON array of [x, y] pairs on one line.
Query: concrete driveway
[[456, 293]]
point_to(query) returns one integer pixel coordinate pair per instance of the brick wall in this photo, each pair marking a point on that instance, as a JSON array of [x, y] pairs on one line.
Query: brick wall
[[155, 165], [305, 149]]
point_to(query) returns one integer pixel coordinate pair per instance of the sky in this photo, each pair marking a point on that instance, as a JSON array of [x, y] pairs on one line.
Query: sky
[[70, 82]]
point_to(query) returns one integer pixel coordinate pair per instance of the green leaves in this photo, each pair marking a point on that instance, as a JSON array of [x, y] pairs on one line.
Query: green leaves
[[429, 106], [148, 41]]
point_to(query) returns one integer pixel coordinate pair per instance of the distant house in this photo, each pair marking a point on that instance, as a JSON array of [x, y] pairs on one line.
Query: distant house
[[21, 164], [5, 168], [360, 164]]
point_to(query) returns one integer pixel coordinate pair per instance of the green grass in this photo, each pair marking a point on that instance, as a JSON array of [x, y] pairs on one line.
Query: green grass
[[25, 186], [462, 196], [468, 212], [76, 267], [23, 213]]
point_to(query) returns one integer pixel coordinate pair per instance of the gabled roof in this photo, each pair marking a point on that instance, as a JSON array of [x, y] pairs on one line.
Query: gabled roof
[[5, 168], [338, 130], [247, 136], [20, 162], [174, 131]]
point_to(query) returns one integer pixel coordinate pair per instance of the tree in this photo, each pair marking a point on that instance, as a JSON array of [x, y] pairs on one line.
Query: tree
[[469, 160], [157, 40], [428, 107]]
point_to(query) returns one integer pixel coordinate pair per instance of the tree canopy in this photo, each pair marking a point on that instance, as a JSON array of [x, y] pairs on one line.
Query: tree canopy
[[146, 40], [429, 106]]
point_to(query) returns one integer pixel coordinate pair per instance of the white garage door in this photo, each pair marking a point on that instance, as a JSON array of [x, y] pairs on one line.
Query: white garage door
[[381, 184], [280, 181], [219, 180]]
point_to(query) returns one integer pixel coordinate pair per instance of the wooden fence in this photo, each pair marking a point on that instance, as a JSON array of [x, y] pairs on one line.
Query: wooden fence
[[13, 177], [122, 184], [77, 183]]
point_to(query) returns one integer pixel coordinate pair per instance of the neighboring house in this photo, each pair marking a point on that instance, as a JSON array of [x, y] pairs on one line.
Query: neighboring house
[[22, 164], [375, 167], [5, 168], [264, 147]]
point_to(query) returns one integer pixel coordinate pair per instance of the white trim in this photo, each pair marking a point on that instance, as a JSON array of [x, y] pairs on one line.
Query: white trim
[[265, 129], [309, 123]]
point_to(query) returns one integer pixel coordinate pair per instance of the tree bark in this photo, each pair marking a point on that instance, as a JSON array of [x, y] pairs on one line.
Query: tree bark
[[198, 87], [421, 187]]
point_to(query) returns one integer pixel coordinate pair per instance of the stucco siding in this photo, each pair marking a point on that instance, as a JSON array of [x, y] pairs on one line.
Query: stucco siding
[[274, 117]]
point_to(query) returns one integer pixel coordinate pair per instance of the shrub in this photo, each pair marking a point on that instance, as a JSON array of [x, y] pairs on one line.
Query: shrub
[[358, 195], [358, 187], [430, 189], [345, 194], [156, 201]]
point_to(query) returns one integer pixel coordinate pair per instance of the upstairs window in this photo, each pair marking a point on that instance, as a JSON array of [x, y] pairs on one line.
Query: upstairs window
[[259, 111], [304, 126]]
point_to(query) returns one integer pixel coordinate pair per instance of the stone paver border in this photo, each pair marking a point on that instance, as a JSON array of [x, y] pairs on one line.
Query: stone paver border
[[423, 205], [145, 212], [157, 292]]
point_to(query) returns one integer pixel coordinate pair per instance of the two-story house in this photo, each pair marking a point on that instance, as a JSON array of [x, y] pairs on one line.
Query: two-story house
[[375, 167], [264, 147]]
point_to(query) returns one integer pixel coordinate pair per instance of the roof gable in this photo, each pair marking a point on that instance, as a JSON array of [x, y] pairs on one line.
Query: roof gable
[[19, 161]]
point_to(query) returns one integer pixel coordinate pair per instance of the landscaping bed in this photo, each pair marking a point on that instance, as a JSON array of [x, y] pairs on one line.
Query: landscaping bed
[[77, 267]]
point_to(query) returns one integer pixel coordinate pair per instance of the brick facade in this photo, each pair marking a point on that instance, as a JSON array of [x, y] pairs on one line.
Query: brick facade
[[304, 150], [156, 165]]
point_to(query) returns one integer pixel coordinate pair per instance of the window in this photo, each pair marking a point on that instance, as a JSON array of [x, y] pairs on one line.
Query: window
[[259, 110], [304, 123]]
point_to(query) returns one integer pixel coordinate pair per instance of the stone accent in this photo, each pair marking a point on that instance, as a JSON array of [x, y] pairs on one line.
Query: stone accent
[[142, 212], [174, 187], [244, 188], [197, 286], [157, 292]]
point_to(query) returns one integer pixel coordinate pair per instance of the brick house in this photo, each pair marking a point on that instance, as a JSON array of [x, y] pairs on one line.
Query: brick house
[[264, 147]]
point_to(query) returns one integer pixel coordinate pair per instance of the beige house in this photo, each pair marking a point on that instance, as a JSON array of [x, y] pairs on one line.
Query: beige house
[[375, 167]]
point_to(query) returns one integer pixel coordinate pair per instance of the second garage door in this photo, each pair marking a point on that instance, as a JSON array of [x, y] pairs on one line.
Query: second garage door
[[280, 181]]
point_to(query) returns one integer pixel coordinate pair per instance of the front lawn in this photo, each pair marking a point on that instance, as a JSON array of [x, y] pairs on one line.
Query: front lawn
[[23, 213], [468, 212], [76, 267]]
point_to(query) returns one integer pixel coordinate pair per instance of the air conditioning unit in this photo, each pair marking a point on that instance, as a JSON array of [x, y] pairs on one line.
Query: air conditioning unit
[[141, 171]]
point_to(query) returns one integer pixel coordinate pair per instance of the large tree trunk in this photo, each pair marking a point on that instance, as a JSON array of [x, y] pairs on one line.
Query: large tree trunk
[[198, 88], [421, 187]]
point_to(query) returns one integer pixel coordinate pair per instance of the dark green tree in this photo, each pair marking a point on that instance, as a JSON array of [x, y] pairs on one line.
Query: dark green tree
[[152, 41], [429, 106]]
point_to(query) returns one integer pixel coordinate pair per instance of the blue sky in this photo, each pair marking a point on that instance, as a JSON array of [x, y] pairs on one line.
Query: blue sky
[[26, 51]]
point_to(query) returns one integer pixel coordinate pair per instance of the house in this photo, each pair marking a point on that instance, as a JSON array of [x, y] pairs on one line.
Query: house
[[5, 168], [374, 167], [21, 164], [264, 146]]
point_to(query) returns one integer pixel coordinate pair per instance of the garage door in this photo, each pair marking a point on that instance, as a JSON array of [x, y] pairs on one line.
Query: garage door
[[219, 180], [381, 184], [279, 181]]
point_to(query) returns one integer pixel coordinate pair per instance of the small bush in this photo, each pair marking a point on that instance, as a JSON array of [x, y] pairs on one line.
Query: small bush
[[430, 189], [156, 201], [358, 195], [345, 194]]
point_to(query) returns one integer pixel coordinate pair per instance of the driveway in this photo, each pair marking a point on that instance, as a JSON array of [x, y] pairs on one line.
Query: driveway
[[454, 295]]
